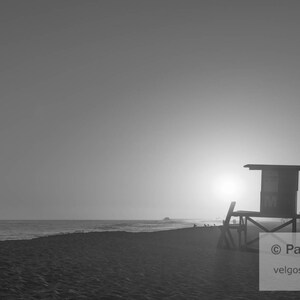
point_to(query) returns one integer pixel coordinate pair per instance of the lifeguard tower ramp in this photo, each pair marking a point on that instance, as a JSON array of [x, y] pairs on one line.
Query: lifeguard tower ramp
[[278, 200]]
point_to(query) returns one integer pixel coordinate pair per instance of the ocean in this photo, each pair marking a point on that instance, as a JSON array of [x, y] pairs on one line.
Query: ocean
[[21, 230]]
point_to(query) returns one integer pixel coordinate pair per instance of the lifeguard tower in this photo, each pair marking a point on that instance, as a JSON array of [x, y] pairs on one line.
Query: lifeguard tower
[[278, 199]]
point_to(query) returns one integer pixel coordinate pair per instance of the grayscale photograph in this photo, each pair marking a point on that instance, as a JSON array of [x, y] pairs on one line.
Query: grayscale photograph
[[149, 149]]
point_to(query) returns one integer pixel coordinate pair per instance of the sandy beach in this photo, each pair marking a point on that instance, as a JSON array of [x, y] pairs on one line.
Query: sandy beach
[[174, 264]]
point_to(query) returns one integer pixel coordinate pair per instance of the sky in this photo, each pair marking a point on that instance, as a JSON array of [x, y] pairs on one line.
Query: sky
[[144, 109]]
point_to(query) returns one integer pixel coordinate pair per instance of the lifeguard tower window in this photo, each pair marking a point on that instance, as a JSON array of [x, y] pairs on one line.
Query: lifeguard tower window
[[279, 186]]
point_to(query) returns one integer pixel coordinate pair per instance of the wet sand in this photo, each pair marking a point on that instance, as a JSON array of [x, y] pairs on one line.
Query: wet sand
[[174, 264]]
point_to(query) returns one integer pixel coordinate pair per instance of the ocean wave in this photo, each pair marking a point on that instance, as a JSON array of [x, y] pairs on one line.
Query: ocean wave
[[20, 230]]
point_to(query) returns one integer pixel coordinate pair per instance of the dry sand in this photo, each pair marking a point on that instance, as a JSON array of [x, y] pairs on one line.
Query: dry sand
[[175, 264]]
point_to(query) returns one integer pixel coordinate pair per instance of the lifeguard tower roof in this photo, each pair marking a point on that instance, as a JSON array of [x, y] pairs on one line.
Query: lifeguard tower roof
[[272, 167]]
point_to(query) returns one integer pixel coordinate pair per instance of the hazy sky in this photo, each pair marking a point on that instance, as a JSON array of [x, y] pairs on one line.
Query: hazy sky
[[141, 109]]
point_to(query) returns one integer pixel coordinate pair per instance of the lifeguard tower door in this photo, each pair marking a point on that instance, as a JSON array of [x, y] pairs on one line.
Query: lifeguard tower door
[[279, 192]]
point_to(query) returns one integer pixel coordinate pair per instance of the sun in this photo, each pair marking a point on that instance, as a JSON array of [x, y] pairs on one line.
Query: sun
[[227, 186]]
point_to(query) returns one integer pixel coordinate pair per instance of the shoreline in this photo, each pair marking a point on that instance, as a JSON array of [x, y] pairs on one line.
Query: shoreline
[[108, 232], [20, 230]]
